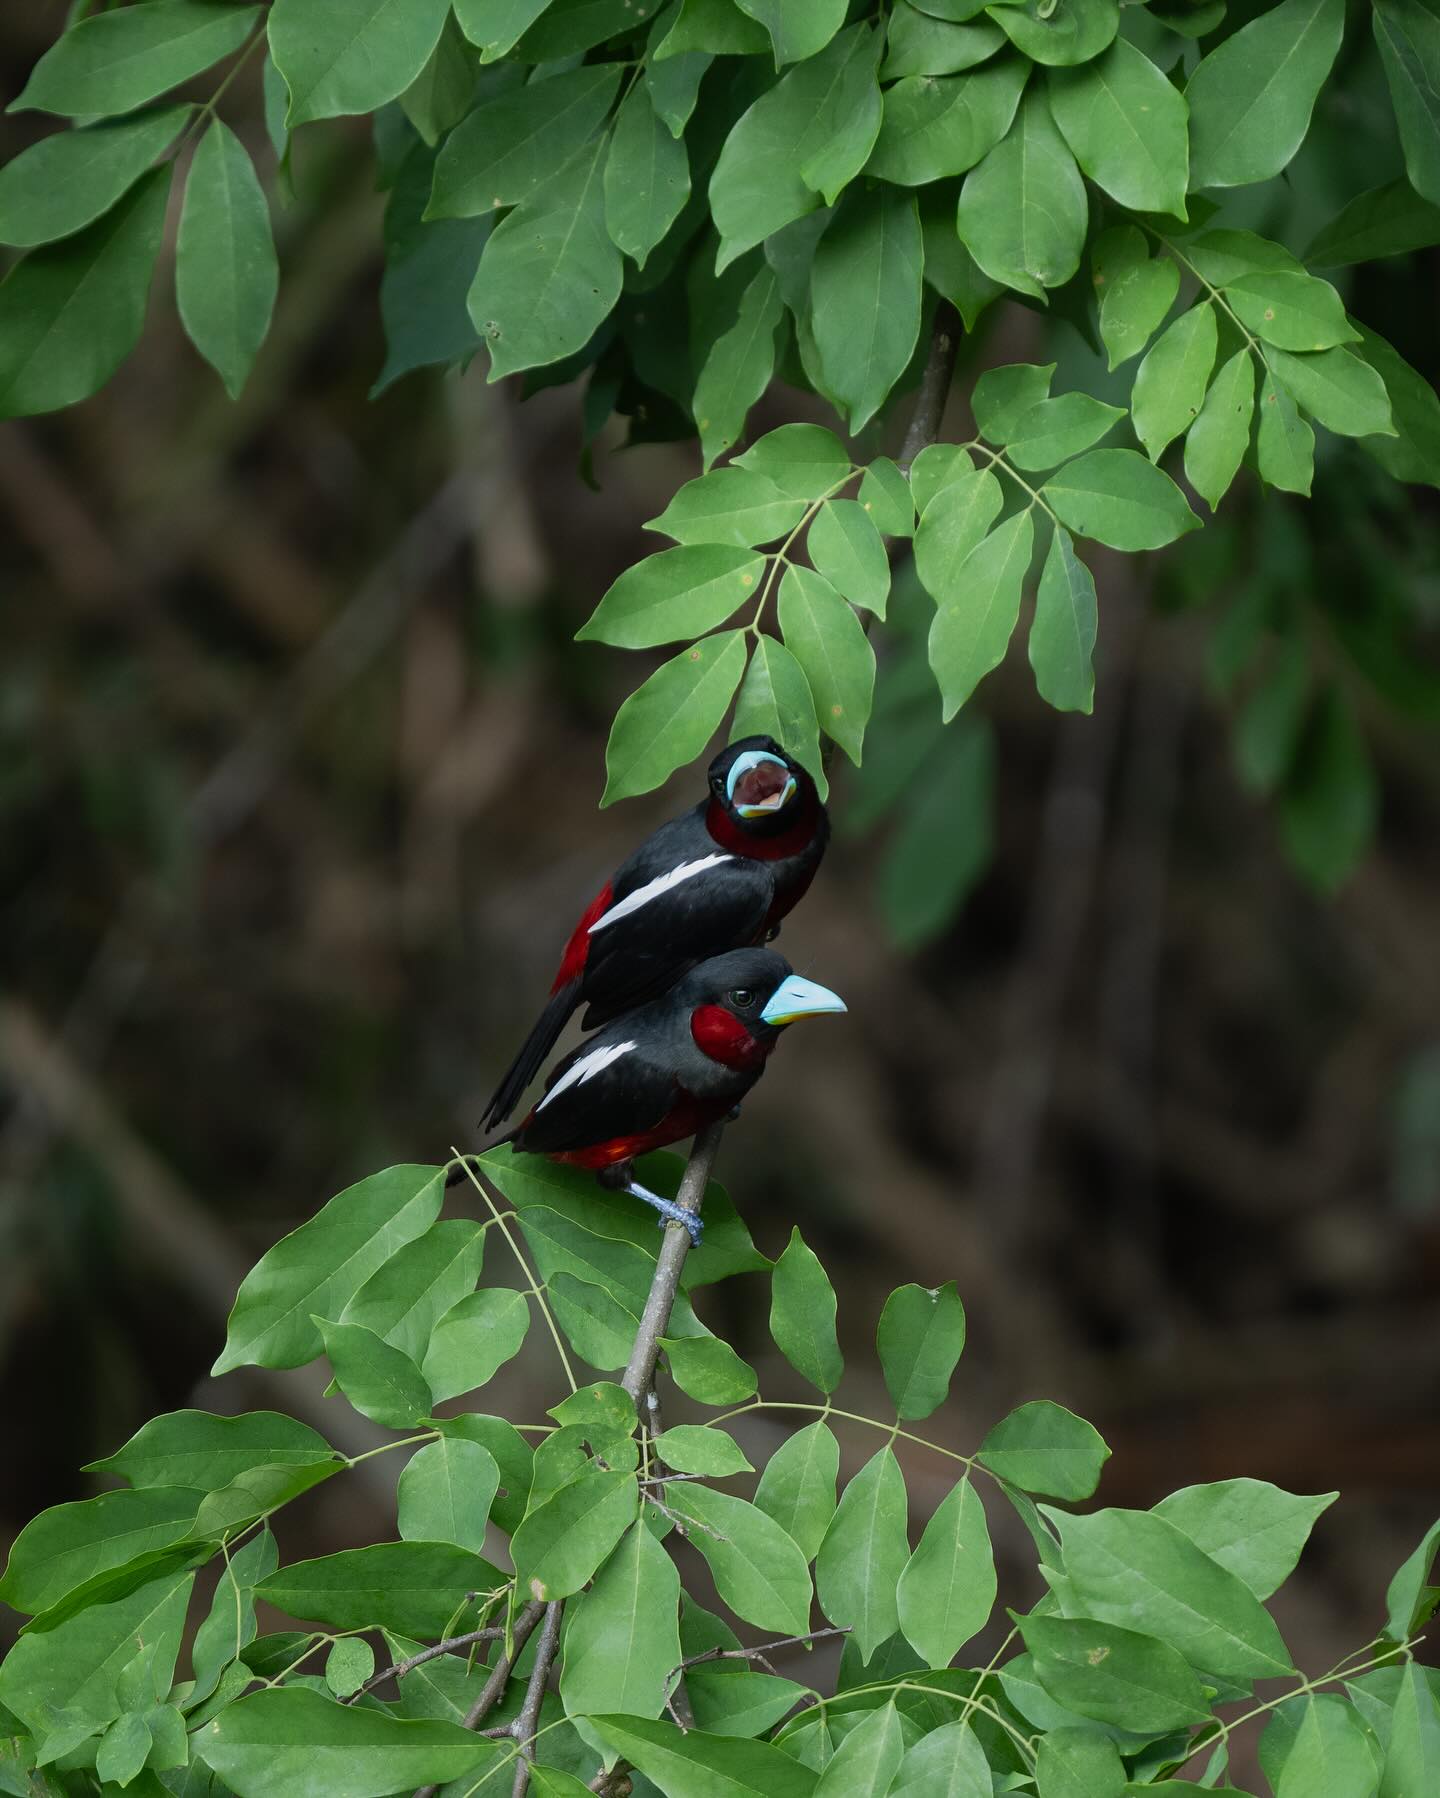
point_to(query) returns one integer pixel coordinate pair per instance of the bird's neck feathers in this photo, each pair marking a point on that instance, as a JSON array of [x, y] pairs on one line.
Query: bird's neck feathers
[[761, 840], [720, 1035]]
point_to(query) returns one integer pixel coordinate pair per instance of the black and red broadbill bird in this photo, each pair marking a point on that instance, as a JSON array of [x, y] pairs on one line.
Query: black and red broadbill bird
[[719, 877], [669, 1068]]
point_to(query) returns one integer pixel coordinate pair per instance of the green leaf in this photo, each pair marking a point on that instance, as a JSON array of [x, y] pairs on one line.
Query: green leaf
[[1042, 1447], [474, 1338], [317, 1269], [867, 1760], [945, 838], [804, 461], [351, 59], [1126, 125], [647, 178], [1136, 1569], [951, 525], [802, 1315], [230, 1625], [560, 1544], [1268, 729], [1297, 312], [732, 1701], [1408, 33], [1387, 221], [511, 146], [681, 593], [885, 495], [123, 1750], [1056, 429], [1072, 32], [708, 1370], [799, 144], [798, 28], [350, 1662], [622, 1637], [1062, 634], [1412, 1757], [428, 271], [920, 1338], [445, 1493], [704, 1766], [226, 274], [600, 1328], [512, 1455], [196, 1449], [1330, 802], [1405, 1596], [1078, 1763], [1339, 390], [417, 1588], [117, 60], [797, 1488], [947, 1763], [947, 1590], [1223, 256], [916, 44], [68, 179], [1116, 1676], [758, 1569], [1413, 454], [673, 84], [712, 27], [864, 1552], [828, 641], [775, 701], [1170, 383], [440, 95], [61, 1682], [290, 1739], [738, 367], [1218, 438], [568, 27], [70, 1545], [700, 1448], [549, 275], [406, 1297], [71, 312], [1135, 289], [933, 128], [1117, 497], [865, 295], [845, 547], [1023, 210], [495, 26], [974, 623], [938, 466], [1284, 442], [1251, 99], [670, 719], [950, 269], [729, 505], [1005, 395], [1330, 1751]]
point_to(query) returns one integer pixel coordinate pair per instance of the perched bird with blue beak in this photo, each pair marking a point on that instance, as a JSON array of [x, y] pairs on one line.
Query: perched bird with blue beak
[[719, 877], [667, 1069]]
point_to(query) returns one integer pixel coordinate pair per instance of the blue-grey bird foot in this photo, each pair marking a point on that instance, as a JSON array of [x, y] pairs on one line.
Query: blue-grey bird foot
[[732, 1116], [670, 1212]]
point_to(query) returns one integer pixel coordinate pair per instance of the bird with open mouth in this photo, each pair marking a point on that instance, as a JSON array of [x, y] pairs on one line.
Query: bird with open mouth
[[667, 1069], [719, 877]]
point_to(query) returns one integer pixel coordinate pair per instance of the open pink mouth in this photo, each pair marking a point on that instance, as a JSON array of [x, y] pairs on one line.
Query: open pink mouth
[[763, 789]]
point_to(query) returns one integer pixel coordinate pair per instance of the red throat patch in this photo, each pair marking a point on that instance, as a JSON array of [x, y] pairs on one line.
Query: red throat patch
[[722, 1036], [723, 829]]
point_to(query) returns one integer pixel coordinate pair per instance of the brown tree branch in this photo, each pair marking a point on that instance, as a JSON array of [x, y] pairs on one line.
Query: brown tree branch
[[494, 1687], [529, 1718], [399, 1669]]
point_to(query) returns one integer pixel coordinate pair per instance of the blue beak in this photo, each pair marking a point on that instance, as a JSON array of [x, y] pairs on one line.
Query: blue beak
[[796, 998], [754, 758]]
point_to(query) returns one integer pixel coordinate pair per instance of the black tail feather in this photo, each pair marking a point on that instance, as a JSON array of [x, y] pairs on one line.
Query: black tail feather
[[533, 1050]]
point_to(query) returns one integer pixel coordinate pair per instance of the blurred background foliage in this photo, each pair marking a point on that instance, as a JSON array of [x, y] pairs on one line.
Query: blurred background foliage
[[297, 799]]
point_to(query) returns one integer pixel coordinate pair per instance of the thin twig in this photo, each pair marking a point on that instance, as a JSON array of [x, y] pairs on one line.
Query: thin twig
[[494, 1687], [758, 1654], [529, 1717], [398, 1671], [939, 372]]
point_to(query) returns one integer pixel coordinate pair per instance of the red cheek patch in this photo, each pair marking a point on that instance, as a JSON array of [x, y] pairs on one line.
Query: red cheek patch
[[722, 1036]]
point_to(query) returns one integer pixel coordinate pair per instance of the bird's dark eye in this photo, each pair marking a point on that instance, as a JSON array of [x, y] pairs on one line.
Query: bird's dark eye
[[741, 997]]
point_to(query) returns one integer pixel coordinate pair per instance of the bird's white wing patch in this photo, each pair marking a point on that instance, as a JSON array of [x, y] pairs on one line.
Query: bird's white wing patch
[[585, 1069], [652, 889]]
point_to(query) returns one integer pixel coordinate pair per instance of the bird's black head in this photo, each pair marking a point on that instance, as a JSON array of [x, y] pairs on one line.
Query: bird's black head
[[738, 1003], [760, 786]]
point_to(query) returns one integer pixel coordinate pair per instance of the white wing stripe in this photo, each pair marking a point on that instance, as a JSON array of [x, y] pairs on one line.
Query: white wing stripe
[[652, 889], [585, 1069]]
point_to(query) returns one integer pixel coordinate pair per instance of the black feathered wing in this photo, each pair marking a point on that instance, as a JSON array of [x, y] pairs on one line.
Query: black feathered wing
[[615, 1087]]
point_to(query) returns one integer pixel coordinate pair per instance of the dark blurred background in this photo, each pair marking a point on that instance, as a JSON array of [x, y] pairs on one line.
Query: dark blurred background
[[298, 780]]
